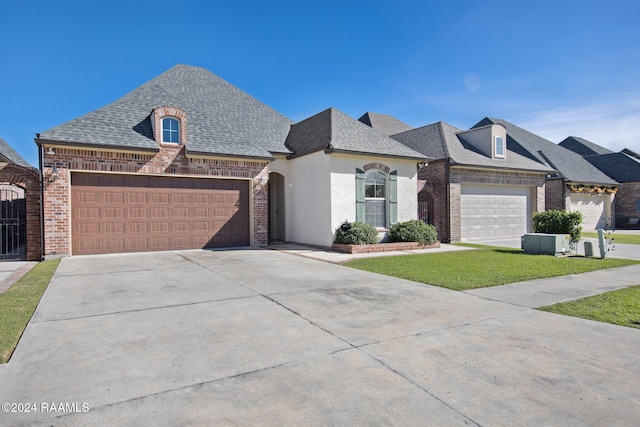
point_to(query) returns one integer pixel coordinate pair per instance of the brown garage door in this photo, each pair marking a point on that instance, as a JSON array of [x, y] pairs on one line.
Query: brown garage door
[[129, 213]]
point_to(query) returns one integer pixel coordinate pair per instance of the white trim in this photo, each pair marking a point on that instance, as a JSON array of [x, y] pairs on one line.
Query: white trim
[[179, 130], [495, 147]]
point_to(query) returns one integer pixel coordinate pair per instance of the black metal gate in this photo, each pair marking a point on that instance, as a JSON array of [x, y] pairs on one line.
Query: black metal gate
[[12, 222]]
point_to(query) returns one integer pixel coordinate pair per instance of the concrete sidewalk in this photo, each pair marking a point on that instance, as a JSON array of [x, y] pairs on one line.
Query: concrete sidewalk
[[12, 271], [542, 292], [531, 293]]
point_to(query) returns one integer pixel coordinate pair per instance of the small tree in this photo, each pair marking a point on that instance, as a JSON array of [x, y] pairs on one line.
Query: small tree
[[559, 222], [413, 231], [356, 233]]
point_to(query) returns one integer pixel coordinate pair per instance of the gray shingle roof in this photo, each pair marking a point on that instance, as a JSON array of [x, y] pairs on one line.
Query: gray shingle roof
[[11, 156], [620, 166], [221, 119], [384, 123], [335, 131], [571, 166], [583, 147], [441, 140]]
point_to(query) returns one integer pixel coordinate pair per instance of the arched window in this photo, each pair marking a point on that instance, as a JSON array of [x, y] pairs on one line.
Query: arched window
[[171, 130], [377, 197]]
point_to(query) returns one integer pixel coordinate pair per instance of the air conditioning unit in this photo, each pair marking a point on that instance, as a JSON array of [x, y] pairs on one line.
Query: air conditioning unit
[[545, 244]]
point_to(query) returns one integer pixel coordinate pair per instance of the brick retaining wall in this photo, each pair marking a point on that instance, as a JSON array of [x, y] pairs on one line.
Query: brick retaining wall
[[382, 247]]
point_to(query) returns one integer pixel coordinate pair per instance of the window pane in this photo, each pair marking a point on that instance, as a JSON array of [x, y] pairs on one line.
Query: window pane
[[369, 191], [499, 146], [170, 130], [375, 213], [375, 177]]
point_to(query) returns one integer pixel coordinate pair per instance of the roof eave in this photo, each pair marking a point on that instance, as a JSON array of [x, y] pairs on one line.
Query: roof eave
[[330, 150], [78, 144], [193, 153], [511, 168]]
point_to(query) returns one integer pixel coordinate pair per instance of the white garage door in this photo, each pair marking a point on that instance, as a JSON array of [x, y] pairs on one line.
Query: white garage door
[[488, 212], [593, 208]]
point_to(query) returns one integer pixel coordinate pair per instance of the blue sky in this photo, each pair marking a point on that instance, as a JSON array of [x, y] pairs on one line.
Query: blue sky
[[556, 68]]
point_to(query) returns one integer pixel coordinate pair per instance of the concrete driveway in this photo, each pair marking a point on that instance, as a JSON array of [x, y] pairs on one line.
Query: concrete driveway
[[261, 337]]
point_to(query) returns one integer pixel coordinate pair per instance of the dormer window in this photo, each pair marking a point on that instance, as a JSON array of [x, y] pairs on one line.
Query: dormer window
[[171, 130], [169, 125], [498, 147]]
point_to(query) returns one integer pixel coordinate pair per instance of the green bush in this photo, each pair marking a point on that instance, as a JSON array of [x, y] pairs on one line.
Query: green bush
[[413, 231], [356, 233], [559, 222]]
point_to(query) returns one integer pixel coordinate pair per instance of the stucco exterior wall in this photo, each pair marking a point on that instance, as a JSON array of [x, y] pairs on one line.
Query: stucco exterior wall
[[343, 186], [320, 192], [309, 193]]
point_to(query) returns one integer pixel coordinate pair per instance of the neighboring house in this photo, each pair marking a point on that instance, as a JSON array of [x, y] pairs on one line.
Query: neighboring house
[[21, 237], [476, 188], [624, 167], [578, 185], [188, 160], [583, 147]]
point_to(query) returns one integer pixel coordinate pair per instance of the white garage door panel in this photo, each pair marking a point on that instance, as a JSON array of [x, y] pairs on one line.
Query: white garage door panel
[[593, 208], [489, 213]]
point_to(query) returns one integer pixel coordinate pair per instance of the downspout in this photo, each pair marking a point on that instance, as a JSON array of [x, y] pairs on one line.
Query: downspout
[[41, 161]]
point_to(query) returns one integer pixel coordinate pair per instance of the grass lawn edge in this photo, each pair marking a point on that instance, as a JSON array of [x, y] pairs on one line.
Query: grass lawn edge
[[619, 307], [18, 304], [485, 266]]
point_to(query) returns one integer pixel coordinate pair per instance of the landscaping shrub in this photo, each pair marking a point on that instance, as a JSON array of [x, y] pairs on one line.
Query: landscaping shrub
[[356, 233], [559, 222], [413, 231]]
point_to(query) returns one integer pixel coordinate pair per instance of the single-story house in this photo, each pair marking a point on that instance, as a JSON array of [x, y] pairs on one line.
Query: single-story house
[[21, 233], [475, 188], [188, 160], [577, 186], [623, 167]]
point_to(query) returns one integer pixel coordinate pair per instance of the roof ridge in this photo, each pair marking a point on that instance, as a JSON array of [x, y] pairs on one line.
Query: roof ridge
[[445, 147]]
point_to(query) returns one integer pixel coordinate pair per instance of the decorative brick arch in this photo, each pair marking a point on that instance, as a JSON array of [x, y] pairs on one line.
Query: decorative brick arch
[[168, 111], [29, 180], [380, 166]]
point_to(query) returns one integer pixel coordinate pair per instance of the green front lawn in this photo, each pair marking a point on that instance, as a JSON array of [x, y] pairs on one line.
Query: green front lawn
[[19, 302], [482, 267], [621, 307], [622, 238]]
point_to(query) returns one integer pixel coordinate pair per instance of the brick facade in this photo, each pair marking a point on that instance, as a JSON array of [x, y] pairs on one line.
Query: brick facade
[[169, 160], [432, 186], [556, 195], [444, 182], [627, 203], [29, 180]]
